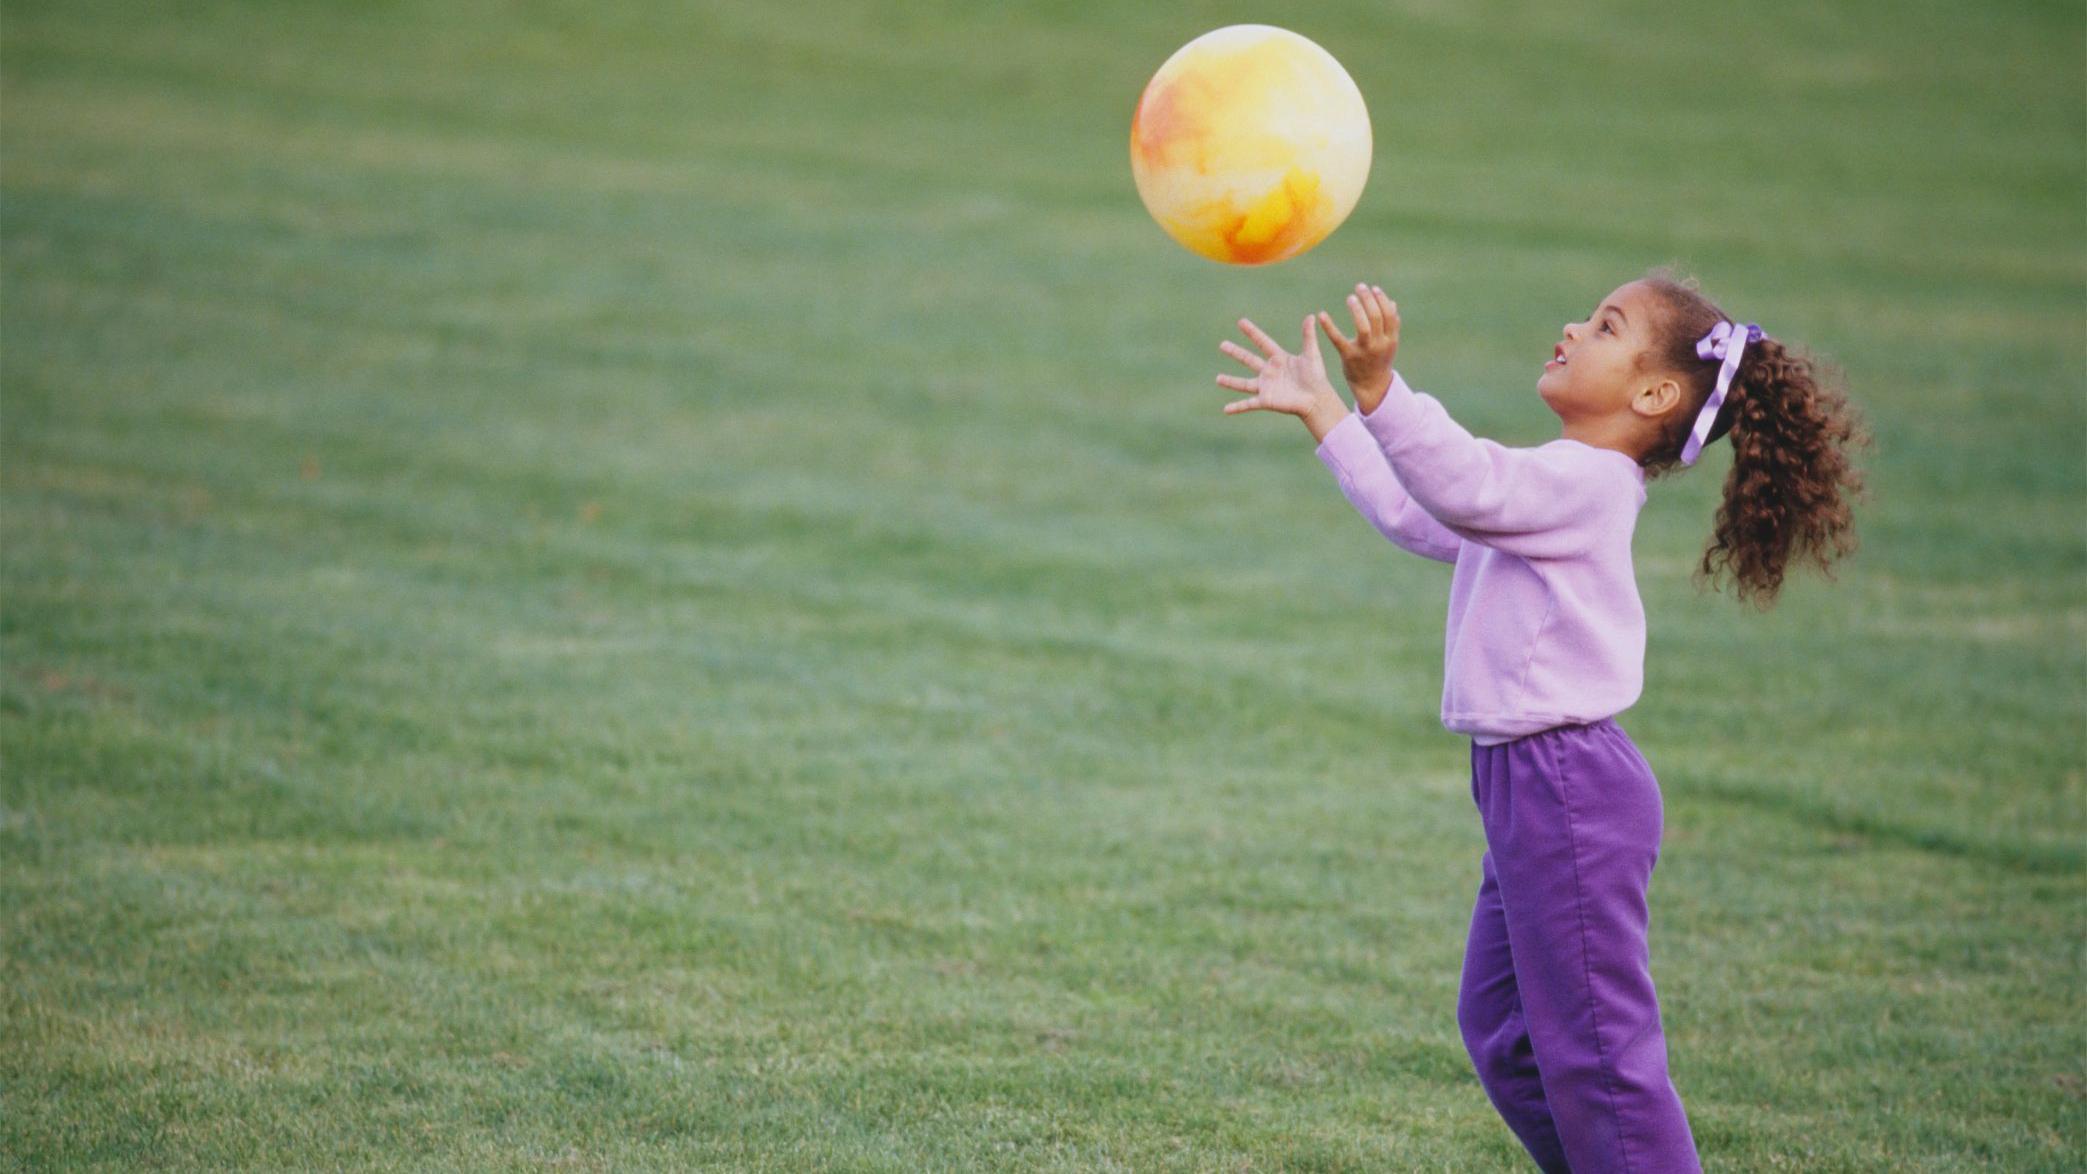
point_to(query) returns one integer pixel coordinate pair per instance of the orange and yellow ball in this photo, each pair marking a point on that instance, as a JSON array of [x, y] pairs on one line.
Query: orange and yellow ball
[[1250, 145]]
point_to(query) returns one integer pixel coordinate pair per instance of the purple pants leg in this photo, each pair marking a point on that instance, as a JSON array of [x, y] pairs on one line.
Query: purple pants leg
[[1557, 1007]]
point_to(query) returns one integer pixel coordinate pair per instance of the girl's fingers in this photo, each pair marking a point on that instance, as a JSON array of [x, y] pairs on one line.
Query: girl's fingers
[[1387, 309], [1363, 327], [1314, 358], [1370, 308], [1260, 338], [1341, 342], [1237, 383], [1252, 361], [1244, 405]]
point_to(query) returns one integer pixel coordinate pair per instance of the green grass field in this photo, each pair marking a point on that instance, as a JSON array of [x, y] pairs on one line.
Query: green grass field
[[622, 585]]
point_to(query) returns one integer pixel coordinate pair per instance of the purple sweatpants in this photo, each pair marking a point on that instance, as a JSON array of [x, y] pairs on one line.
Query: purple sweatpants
[[1557, 1007]]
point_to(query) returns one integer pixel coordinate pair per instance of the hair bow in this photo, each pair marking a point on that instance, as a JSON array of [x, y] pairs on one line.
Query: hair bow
[[1726, 341]]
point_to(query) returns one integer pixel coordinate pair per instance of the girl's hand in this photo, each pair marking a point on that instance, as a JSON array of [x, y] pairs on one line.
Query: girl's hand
[[1283, 382], [1366, 358]]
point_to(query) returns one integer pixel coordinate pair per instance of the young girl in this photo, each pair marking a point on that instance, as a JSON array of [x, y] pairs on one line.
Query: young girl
[[1546, 644]]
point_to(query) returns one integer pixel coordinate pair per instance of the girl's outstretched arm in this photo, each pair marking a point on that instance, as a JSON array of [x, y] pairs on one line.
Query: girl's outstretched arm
[[1297, 385], [1370, 485], [1546, 502]]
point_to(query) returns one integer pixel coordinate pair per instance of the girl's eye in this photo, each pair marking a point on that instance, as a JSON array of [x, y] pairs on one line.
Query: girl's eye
[[1605, 328]]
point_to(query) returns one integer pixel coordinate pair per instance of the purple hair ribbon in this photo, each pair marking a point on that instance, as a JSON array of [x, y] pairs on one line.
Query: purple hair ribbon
[[1726, 341]]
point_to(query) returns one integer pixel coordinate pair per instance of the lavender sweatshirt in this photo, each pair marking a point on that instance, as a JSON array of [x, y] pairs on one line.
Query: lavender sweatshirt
[[1545, 627]]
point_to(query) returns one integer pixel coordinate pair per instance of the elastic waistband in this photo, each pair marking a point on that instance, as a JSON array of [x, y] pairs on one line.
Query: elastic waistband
[[1576, 729]]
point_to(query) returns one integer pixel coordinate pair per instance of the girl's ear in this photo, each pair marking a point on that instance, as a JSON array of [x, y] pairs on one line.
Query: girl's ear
[[1655, 400]]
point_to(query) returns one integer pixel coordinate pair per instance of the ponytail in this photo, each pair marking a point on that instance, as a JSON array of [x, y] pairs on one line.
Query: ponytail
[[1789, 495]]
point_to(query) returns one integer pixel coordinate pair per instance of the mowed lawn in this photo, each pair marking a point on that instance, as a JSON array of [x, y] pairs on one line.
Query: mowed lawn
[[654, 585]]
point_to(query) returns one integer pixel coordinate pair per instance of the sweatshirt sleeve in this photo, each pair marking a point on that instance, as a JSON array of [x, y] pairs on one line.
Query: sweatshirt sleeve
[[1546, 502], [1373, 489]]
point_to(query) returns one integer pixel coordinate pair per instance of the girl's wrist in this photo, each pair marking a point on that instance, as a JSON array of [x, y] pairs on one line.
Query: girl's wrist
[[1327, 411], [1369, 393]]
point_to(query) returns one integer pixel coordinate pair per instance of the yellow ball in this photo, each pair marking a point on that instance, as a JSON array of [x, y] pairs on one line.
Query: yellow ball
[[1250, 145]]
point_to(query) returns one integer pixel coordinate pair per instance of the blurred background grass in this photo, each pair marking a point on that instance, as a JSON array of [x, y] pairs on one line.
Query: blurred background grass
[[638, 584]]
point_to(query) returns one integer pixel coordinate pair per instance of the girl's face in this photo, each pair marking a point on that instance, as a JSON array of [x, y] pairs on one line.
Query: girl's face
[[1595, 370]]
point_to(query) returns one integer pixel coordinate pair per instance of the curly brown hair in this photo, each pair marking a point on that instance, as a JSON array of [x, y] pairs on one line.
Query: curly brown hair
[[1792, 485]]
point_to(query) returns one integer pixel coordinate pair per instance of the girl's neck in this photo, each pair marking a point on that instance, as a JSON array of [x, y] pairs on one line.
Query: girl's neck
[[1609, 432]]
